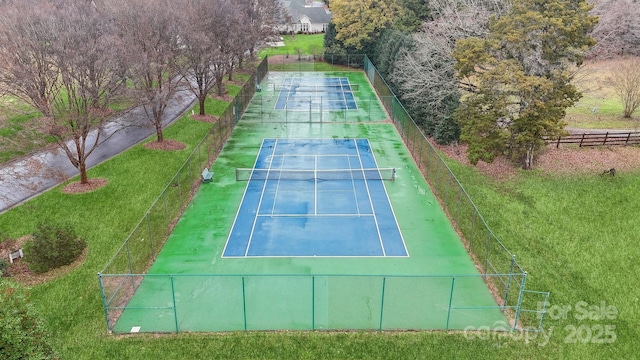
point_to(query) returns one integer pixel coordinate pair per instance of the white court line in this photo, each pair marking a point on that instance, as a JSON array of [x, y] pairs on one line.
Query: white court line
[[275, 195], [315, 185], [255, 220], [353, 186], [390, 205], [366, 184], [241, 202]]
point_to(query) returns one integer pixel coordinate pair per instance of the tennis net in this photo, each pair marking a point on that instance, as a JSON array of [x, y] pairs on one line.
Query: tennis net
[[299, 88], [245, 174]]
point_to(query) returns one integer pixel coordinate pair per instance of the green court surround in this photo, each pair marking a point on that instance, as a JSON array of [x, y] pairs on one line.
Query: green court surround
[[193, 256]]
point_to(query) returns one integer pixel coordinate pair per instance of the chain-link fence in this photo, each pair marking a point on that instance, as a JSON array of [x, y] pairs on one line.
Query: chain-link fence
[[166, 303], [145, 241], [502, 272], [316, 62], [309, 302]]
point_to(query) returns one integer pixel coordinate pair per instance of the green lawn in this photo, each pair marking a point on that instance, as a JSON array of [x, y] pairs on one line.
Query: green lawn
[[575, 236], [599, 107], [21, 129], [306, 44]]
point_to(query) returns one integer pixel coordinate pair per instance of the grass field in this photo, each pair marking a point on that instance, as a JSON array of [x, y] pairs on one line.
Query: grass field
[[305, 44], [599, 107], [20, 129]]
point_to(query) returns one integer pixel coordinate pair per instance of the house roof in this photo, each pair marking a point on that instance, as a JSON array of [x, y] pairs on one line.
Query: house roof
[[316, 11]]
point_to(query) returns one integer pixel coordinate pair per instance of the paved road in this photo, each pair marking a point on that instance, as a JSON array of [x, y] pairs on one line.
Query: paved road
[[27, 177]]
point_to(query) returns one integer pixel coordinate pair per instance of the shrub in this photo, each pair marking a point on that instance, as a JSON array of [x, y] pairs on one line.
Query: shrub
[[23, 335], [53, 245], [4, 265]]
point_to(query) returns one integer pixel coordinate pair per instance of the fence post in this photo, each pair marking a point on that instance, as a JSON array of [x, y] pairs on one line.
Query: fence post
[[384, 281], [130, 265], [191, 188], [473, 227], [506, 293], [173, 297], [313, 302], [104, 303], [459, 206], [515, 321], [179, 195], [453, 281], [153, 256], [166, 213], [244, 305], [486, 258]]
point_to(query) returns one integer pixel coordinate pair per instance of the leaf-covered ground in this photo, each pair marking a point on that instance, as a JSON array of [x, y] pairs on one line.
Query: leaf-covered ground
[[561, 161]]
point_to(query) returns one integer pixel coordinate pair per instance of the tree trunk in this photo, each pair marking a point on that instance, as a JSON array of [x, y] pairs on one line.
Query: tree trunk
[[159, 132], [528, 158], [201, 100], [220, 86], [82, 166], [230, 71]]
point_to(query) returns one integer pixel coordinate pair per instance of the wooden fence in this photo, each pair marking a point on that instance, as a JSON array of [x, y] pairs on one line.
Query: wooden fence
[[598, 139]]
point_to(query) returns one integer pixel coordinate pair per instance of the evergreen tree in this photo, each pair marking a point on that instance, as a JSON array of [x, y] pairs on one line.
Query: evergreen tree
[[518, 77]]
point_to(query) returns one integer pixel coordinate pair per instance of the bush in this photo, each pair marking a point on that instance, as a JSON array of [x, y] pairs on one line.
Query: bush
[[4, 265], [23, 335], [53, 245]]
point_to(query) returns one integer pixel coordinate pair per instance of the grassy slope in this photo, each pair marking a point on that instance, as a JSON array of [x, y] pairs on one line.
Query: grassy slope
[[307, 44]]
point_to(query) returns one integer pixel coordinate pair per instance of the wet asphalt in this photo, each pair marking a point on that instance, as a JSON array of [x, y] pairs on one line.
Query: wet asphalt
[[31, 175]]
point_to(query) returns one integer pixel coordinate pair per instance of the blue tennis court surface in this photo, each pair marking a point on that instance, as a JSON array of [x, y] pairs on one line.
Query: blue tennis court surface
[[333, 93], [315, 197]]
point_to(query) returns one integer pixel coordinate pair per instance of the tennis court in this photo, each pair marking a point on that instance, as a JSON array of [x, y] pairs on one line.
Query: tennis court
[[301, 93], [302, 185], [315, 197], [315, 98]]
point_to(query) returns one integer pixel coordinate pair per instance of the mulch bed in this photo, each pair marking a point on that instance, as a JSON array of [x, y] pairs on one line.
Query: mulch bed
[[166, 145], [79, 188], [205, 118], [19, 270]]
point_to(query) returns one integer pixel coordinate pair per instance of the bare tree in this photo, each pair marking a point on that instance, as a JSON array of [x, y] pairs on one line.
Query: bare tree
[[618, 31], [625, 79], [70, 70], [27, 72], [199, 49], [87, 57], [259, 20], [150, 33], [425, 73]]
